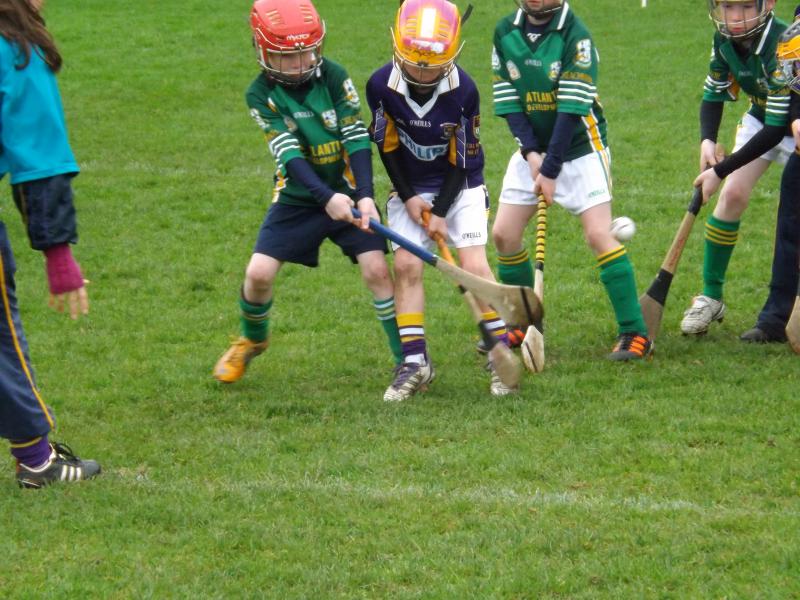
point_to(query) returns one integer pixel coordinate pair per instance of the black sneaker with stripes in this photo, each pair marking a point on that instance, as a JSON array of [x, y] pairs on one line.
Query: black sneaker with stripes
[[62, 465], [631, 346]]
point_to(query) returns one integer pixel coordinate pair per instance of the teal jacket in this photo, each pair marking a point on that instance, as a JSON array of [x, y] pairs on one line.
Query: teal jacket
[[33, 133]]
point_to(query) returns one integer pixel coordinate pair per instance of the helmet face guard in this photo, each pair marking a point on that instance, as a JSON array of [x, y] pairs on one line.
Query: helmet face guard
[[426, 39], [290, 67], [789, 56], [549, 7], [288, 37], [738, 19]]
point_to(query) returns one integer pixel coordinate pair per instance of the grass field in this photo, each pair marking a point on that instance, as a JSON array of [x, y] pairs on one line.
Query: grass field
[[672, 479]]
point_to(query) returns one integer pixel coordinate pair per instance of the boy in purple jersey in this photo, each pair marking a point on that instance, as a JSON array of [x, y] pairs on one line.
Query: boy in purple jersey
[[425, 122]]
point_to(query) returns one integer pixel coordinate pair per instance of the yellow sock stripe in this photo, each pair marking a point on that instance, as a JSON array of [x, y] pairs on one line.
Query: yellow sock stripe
[[495, 324], [610, 255], [722, 232], [27, 444], [499, 332], [513, 259], [410, 320], [255, 318], [720, 241], [721, 236], [17, 347]]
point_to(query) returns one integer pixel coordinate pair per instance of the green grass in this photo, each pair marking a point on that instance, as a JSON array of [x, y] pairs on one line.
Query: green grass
[[672, 479]]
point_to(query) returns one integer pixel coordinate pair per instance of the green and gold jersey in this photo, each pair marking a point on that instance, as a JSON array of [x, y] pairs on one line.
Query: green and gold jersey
[[319, 121], [541, 74], [755, 71]]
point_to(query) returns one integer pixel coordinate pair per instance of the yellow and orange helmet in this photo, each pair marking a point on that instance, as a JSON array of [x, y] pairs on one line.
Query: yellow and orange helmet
[[789, 55], [427, 40]]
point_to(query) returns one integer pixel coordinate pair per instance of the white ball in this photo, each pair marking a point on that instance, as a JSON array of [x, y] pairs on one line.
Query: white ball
[[623, 228]]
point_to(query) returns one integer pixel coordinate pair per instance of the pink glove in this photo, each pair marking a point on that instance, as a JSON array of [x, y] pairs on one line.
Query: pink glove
[[63, 273]]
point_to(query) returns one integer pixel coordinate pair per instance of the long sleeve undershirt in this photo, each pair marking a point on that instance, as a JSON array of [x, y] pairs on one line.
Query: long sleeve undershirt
[[560, 141], [767, 137], [710, 119], [360, 163]]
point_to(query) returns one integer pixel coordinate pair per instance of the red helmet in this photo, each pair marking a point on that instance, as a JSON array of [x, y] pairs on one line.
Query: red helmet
[[288, 36]]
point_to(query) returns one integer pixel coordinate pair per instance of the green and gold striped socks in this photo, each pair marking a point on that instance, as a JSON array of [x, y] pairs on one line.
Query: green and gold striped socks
[[386, 315], [254, 319], [616, 273], [721, 237], [516, 268]]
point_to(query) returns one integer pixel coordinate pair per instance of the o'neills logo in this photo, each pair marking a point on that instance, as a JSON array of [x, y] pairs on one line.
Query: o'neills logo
[[296, 37]]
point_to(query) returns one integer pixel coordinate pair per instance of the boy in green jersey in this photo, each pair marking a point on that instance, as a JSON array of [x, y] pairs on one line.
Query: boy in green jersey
[[743, 58], [545, 72], [309, 112]]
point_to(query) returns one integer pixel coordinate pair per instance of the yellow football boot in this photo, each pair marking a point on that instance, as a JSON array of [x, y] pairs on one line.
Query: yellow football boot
[[232, 365]]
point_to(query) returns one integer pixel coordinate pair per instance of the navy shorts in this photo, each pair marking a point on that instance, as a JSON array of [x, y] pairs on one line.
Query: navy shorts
[[295, 233]]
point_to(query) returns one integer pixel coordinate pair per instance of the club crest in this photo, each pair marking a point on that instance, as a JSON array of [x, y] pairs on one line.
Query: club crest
[[290, 123], [329, 119], [351, 94], [555, 70], [583, 53], [448, 130]]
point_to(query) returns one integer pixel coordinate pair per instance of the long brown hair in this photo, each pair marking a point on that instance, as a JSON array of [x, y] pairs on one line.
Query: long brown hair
[[22, 25]]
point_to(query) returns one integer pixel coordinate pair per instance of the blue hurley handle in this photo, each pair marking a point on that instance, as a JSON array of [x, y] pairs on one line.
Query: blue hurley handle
[[398, 239]]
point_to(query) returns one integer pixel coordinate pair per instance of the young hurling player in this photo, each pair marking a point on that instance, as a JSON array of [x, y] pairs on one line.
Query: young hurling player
[[743, 58], [783, 287], [309, 112], [425, 121], [545, 72], [36, 154]]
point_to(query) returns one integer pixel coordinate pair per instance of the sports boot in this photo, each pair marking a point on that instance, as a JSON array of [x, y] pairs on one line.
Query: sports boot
[[763, 336], [62, 465], [630, 346], [496, 386], [232, 365], [703, 311], [409, 378]]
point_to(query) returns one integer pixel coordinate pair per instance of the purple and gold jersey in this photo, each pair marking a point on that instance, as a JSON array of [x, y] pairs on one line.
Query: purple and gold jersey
[[430, 138]]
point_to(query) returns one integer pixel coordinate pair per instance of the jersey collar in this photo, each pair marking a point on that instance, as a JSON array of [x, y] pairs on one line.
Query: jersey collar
[[399, 85]]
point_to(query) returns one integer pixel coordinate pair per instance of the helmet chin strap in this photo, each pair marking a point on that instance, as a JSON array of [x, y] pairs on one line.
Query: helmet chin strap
[[543, 13]]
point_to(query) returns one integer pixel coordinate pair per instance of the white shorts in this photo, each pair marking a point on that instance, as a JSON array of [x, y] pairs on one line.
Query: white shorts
[[749, 126], [583, 183], [467, 220]]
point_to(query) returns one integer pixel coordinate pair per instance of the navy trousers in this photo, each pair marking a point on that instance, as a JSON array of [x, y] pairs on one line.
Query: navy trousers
[[786, 257], [23, 413]]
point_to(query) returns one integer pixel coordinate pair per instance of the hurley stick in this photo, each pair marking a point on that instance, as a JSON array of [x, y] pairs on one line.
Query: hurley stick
[[533, 343], [506, 365], [514, 303]]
